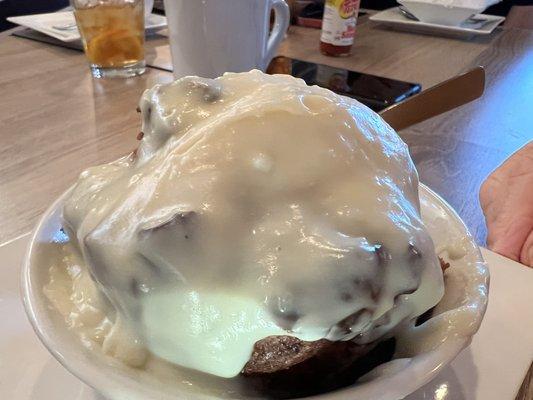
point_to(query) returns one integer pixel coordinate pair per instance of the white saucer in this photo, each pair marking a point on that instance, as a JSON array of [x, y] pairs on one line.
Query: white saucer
[[45, 23], [393, 18]]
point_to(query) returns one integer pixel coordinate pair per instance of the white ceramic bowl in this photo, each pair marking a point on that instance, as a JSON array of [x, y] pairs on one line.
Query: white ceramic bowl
[[390, 381], [438, 13]]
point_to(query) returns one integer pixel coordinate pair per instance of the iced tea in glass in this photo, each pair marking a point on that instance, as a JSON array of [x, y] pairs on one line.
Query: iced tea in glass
[[112, 32]]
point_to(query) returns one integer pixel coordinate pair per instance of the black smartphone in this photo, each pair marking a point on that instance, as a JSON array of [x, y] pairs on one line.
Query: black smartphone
[[374, 91]]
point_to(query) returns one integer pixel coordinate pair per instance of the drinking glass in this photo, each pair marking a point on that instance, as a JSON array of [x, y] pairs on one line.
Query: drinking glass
[[112, 32]]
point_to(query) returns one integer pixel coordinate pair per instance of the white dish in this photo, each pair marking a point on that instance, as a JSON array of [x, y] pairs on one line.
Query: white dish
[[393, 18], [391, 381], [476, 374], [45, 23], [438, 13]]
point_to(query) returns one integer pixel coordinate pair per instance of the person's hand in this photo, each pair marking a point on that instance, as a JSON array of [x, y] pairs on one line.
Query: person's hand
[[506, 198]]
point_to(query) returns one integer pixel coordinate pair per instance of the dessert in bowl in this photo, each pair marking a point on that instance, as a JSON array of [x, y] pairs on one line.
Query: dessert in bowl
[[266, 239]]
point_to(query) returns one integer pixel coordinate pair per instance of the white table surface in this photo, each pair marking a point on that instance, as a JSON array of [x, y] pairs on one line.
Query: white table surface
[[491, 368]]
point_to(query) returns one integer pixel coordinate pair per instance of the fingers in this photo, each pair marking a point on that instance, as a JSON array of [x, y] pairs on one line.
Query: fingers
[[507, 237], [526, 254], [505, 198]]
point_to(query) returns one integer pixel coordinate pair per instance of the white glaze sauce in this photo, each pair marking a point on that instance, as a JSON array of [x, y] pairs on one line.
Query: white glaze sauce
[[255, 206]]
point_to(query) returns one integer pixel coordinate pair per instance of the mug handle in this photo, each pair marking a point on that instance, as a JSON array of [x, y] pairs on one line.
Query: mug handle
[[281, 23]]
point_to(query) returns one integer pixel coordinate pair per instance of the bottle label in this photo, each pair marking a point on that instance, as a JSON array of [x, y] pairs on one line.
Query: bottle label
[[338, 23]]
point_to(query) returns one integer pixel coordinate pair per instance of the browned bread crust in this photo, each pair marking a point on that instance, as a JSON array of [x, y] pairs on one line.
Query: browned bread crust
[[279, 353], [286, 367], [283, 367]]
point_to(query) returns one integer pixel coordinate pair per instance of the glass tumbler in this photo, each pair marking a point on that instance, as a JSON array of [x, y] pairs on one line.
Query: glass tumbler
[[112, 32]]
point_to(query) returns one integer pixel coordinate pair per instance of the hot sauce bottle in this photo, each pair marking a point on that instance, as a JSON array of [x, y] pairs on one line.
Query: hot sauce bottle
[[338, 27]]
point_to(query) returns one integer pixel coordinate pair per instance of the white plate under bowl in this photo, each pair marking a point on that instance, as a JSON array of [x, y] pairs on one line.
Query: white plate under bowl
[[391, 381], [394, 19]]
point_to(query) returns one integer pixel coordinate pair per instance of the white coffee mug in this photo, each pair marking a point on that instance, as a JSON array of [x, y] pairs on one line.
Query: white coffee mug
[[210, 37]]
